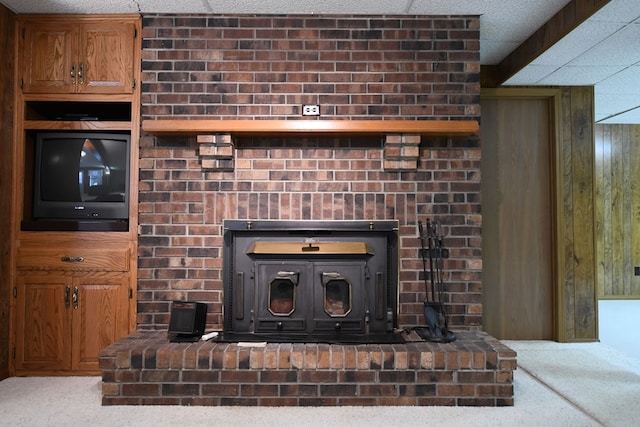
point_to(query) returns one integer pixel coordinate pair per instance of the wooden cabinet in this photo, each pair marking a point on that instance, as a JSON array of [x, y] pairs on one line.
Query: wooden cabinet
[[70, 304], [82, 55], [42, 321], [74, 283]]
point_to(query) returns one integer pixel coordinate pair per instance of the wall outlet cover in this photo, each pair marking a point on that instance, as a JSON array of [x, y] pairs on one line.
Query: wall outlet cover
[[310, 110]]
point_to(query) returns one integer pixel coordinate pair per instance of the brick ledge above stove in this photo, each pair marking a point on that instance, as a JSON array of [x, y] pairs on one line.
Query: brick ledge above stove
[[146, 369], [216, 138], [190, 128]]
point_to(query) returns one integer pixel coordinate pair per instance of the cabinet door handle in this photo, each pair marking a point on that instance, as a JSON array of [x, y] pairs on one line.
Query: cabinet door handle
[[67, 297], [72, 259], [73, 73], [75, 297], [81, 74]]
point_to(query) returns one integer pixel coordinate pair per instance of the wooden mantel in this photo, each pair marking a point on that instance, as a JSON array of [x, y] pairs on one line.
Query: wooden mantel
[[247, 128]]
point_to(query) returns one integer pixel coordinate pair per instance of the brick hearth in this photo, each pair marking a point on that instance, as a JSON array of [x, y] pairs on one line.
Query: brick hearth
[[146, 369]]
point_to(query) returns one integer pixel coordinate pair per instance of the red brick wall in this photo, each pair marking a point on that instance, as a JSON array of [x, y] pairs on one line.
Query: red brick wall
[[355, 67]]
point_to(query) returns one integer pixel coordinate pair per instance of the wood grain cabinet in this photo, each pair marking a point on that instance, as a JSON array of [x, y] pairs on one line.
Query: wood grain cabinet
[[74, 290], [82, 55], [70, 304]]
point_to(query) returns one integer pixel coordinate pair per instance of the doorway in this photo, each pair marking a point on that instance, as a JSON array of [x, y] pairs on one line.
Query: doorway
[[517, 207]]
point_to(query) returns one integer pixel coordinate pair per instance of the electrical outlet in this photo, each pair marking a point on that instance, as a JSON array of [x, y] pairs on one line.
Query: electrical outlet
[[310, 110]]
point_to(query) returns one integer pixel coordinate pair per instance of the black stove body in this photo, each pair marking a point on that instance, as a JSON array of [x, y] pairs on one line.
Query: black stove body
[[310, 281]]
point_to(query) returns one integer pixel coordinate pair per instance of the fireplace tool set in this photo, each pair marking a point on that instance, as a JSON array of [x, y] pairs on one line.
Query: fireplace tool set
[[436, 329]]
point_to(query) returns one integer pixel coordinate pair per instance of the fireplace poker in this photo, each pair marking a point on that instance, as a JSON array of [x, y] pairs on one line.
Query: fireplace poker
[[424, 263], [434, 313]]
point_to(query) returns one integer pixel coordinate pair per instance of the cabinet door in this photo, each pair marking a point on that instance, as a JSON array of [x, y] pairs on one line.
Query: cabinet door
[[43, 318], [106, 57], [49, 63], [100, 305]]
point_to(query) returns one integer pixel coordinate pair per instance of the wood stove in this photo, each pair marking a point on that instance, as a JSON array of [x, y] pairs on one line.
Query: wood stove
[[311, 281]]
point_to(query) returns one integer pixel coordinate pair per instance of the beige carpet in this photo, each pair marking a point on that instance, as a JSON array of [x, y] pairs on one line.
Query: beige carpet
[[600, 381], [590, 391]]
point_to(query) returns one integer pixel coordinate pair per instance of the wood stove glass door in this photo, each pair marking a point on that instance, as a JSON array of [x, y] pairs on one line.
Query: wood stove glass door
[[281, 296], [340, 297]]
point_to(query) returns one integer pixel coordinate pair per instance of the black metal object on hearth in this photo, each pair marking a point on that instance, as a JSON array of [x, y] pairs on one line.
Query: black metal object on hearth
[[436, 327], [310, 281]]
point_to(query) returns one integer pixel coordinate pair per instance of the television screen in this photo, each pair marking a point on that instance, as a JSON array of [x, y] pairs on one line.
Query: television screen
[[81, 175]]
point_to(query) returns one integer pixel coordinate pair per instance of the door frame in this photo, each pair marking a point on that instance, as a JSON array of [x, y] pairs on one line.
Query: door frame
[[554, 98]]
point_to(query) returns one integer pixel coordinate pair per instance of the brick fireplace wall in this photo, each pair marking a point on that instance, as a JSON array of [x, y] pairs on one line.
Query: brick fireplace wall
[[267, 67]]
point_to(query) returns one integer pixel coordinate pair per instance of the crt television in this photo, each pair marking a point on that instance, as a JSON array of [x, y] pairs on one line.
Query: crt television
[[81, 175]]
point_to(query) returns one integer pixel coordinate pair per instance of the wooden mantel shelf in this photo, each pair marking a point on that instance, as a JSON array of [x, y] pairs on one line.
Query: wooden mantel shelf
[[247, 128]]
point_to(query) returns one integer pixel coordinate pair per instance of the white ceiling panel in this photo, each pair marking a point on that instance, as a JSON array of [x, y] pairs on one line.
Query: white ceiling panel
[[531, 75], [176, 6], [621, 48], [623, 11], [492, 52], [369, 7], [613, 106], [71, 6], [577, 42], [622, 82], [629, 117], [567, 76]]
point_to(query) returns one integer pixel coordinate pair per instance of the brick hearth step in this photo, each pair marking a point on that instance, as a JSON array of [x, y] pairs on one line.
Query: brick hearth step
[[144, 368]]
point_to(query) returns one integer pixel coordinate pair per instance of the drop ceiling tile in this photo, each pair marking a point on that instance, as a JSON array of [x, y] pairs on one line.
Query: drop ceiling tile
[[570, 76], [630, 117], [621, 83], [370, 7], [173, 6], [531, 75], [71, 6], [610, 105], [500, 21], [624, 11], [492, 52], [577, 42], [621, 48]]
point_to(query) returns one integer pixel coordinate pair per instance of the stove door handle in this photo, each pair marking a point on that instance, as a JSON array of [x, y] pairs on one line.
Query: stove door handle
[[292, 276], [286, 273], [328, 277]]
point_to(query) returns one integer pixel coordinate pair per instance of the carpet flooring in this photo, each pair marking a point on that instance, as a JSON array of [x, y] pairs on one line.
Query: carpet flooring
[[602, 382], [555, 385]]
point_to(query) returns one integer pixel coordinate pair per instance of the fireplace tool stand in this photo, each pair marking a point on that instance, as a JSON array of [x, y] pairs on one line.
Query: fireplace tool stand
[[436, 329]]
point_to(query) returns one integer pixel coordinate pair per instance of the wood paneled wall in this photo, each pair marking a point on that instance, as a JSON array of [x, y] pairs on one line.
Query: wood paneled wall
[[7, 19], [617, 197], [577, 296]]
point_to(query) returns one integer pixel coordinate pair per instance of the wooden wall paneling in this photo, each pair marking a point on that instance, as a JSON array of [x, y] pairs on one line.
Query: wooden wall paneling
[[617, 202], [605, 217], [577, 151], [634, 185], [602, 194], [7, 28], [604, 205], [623, 254], [617, 177]]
